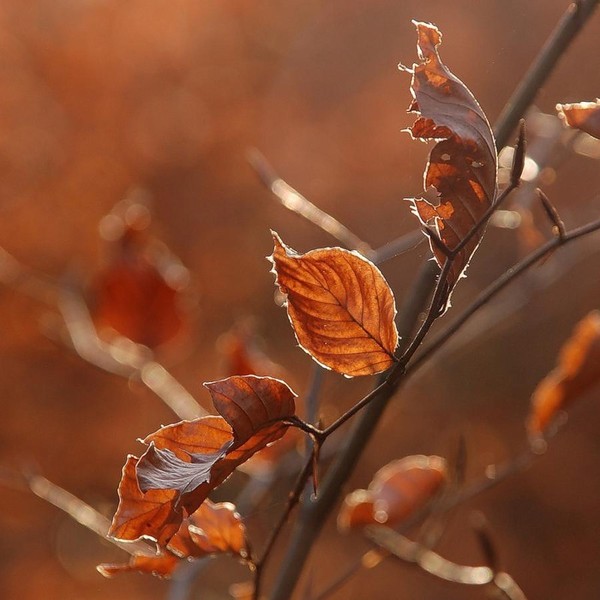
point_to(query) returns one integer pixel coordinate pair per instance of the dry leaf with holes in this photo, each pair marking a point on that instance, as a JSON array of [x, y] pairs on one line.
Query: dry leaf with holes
[[577, 371], [584, 116], [340, 306], [396, 492], [461, 174], [184, 462]]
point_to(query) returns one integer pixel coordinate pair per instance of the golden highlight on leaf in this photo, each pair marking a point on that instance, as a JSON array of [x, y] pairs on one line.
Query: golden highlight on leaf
[[340, 306], [184, 462], [577, 371], [461, 174], [396, 492], [584, 116]]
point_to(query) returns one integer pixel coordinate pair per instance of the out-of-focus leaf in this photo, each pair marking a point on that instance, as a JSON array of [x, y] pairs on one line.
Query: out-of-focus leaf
[[186, 461], [577, 371], [396, 492], [137, 295], [584, 116], [340, 306], [461, 175], [242, 591], [161, 565]]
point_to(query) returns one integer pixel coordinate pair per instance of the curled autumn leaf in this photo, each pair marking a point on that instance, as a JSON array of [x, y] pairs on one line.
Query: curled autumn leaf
[[184, 462], [461, 174], [396, 492], [340, 306], [577, 371], [584, 116], [212, 529]]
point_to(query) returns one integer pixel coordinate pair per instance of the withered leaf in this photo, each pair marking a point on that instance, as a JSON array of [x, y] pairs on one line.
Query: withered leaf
[[461, 173], [340, 306], [577, 371], [187, 460], [396, 492], [161, 565], [584, 116], [215, 528], [212, 529]]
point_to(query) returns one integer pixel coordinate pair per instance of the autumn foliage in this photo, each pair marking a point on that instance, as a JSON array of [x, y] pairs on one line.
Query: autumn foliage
[[346, 317]]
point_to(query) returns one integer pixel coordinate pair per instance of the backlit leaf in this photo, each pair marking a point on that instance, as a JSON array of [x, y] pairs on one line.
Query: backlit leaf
[[340, 306], [577, 371], [215, 528], [161, 565], [184, 462], [584, 116], [461, 175], [397, 491], [212, 529]]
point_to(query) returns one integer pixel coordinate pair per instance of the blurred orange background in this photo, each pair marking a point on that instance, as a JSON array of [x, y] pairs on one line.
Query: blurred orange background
[[98, 97]]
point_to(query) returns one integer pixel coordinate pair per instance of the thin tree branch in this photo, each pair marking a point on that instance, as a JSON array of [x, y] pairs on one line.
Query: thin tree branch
[[296, 202], [434, 564], [571, 23], [497, 287], [293, 500]]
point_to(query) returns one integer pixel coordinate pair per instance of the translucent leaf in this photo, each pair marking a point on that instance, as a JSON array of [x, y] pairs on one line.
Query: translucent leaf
[[461, 175], [584, 116], [340, 306], [577, 371], [396, 492]]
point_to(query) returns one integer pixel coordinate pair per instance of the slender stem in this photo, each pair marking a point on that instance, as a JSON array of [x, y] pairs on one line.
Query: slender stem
[[574, 18], [293, 499], [497, 287], [293, 200]]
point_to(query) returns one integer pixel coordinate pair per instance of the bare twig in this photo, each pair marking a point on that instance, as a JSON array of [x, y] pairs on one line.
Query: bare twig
[[124, 357], [431, 562], [574, 18], [293, 499], [296, 202]]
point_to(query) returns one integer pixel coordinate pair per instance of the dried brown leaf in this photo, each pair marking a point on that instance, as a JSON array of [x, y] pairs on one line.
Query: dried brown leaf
[[184, 462], [577, 371], [161, 565], [461, 175], [215, 528], [396, 492], [340, 306], [584, 116]]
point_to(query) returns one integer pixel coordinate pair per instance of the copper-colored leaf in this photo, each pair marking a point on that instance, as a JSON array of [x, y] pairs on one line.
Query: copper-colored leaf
[[397, 491], [461, 175], [143, 515], [187, 460], [212, 529], [340, 306], [584, 116], [161, 565], [577, 371]]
